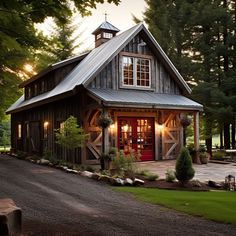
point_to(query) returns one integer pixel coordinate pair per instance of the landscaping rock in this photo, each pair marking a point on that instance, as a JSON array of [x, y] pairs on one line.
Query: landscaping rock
[[196, 183], [95, 176], [213, 184], [120, 181], [44, 161], [138, 182], [87, 174], [10, 217], [105, 178], [71, 171], [128, 182]]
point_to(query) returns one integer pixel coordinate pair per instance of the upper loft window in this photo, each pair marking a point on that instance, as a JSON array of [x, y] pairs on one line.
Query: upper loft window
[[107, 35], [136, 72]]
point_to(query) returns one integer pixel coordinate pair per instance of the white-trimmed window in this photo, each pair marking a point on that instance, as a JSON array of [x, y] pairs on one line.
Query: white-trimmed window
[[136, 72], [107, 35]]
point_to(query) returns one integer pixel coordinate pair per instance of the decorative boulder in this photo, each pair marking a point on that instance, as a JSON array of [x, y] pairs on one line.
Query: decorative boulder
[[87, 174], [44, 162], [71, 171], [10, 217], [138, 182], [119, 182], [128, 181], [96, 176], [105, 178]]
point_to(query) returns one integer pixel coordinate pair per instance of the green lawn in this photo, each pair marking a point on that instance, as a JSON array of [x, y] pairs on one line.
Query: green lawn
[[214, 205]]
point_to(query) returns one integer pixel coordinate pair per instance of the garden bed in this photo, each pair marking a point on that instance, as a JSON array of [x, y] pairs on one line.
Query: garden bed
[[191, 186]]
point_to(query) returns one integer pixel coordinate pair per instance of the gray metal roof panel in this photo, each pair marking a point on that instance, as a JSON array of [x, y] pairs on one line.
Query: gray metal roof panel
[[108, 26], [144, 98], [93, 64]]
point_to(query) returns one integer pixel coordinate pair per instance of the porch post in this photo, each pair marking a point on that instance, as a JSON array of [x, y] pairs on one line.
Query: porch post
[[196, 133], [196, 130]]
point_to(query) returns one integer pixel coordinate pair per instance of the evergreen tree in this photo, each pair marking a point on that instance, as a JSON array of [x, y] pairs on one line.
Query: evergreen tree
[[19, 39], [183, 168], [71, 136], [199, 37]]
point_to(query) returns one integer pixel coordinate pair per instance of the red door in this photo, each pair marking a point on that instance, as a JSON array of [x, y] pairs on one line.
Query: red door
[[137, 134]]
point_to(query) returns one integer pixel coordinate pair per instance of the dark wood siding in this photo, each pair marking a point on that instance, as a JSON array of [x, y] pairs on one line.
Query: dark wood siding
[[110, 76], [49, 81], [54, 113]]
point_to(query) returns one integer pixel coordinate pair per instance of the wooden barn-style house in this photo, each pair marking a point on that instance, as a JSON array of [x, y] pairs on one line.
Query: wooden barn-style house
[[128, 77]]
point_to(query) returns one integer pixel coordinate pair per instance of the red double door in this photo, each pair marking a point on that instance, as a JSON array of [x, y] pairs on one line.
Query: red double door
[[137, 134]]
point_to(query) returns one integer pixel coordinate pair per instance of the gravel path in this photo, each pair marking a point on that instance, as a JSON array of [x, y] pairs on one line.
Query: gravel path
[[56, 203]]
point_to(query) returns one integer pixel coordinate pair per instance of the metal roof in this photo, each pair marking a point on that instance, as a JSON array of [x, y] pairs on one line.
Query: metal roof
[[95, 61], [107, 26], [143, 99]]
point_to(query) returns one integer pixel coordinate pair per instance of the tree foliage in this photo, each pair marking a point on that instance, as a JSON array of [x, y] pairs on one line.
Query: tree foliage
[[71, 136], [19, 40], [199, 37]]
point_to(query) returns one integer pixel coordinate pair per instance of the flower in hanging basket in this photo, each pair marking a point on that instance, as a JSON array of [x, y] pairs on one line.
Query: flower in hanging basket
[[185, 121], [104, 121]]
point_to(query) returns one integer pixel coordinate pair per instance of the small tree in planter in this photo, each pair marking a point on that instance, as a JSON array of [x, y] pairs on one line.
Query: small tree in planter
[[183, 168], [71, 136]]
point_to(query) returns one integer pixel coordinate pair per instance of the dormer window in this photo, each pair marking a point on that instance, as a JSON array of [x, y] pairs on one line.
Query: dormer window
[[136, 72]]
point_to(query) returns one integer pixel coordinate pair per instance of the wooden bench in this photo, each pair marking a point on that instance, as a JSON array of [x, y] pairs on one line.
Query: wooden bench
[[10, 217]]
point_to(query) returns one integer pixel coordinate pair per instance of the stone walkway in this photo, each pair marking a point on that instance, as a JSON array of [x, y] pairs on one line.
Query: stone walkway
[[210, 171]]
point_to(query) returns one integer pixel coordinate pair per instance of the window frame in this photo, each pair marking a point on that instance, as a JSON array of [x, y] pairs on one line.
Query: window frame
[[135, 58]]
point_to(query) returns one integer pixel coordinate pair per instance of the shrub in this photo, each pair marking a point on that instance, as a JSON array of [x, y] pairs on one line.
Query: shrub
[[151, 177], [124, 164], [183, 168], [142, 172], [170, 175], [218, 154]]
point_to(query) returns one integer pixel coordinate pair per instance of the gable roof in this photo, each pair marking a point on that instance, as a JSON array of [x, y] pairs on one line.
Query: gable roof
[[97, 59]]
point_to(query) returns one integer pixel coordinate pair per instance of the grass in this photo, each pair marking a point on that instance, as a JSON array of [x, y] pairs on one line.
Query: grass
[[215, 205]]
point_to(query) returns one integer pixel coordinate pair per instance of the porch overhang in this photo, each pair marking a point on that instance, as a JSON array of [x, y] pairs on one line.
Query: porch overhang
[[143, 99]]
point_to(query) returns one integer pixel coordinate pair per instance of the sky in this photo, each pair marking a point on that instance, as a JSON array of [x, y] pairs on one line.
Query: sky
[[120, 16]]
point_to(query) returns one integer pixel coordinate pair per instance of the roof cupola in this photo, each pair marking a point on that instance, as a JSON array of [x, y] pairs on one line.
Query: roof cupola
[[104, 32]]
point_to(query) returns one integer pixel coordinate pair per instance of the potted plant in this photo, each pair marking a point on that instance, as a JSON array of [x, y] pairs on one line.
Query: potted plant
[[203, 155], [104, 121]]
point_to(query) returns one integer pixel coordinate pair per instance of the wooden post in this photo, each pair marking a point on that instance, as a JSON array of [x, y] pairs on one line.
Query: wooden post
[[196, 134]]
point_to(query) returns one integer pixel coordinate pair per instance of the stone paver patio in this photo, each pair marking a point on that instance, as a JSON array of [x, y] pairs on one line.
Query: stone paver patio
[[210, 171]]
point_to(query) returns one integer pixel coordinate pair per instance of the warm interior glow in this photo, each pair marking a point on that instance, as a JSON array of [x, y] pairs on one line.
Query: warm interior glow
[[125, 128], [46, 123]]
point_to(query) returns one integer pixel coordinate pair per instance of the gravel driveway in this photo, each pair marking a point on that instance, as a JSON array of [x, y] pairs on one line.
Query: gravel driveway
[[56, 203]]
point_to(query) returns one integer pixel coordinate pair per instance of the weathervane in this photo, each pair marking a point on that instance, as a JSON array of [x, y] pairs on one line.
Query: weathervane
[[105, 14]]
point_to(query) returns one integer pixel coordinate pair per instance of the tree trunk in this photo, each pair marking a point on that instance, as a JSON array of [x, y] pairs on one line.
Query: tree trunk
[[226, 136], [221, 139], [233, 134]]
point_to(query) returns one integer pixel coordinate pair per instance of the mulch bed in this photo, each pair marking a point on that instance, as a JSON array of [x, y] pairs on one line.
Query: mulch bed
[[162, 184]]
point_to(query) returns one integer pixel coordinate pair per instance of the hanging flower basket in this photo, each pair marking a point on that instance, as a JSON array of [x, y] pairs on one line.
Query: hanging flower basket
[[185, 121], [104, 121]]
